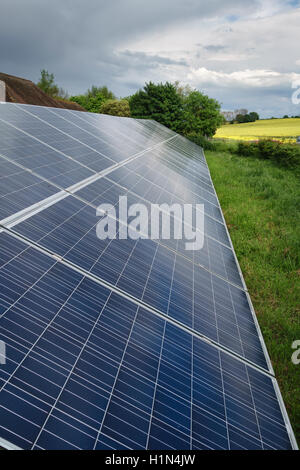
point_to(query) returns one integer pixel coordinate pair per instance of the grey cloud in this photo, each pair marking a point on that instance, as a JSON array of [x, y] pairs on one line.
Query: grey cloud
[[85, 42], [74, 37], [214, 48], [150, 60]]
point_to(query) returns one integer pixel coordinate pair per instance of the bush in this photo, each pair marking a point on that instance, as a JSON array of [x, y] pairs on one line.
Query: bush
[[90, 103], [202, 141], [268, 149], [94, 98], [212, 145], [247, 149], [115, 108], [286, 155]]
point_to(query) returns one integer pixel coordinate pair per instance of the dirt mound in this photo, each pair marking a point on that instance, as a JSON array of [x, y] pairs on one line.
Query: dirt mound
[[19, 90]]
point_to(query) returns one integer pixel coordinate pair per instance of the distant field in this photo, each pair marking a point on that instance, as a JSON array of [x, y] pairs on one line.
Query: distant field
[[281, 129], [263, 220]]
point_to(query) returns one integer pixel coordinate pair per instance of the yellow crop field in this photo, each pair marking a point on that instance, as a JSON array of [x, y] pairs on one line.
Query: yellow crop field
[[285, 130]]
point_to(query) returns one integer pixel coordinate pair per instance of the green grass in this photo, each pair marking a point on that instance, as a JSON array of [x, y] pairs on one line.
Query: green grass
[[261, 205]]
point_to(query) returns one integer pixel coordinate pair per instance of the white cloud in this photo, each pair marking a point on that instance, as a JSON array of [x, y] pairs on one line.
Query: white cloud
[[249, 78]]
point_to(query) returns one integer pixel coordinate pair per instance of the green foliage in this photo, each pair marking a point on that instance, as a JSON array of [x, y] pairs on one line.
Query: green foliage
[[115, 108], [93, 99], [202, 141], [251, 117], [201, 114], [160, 102], [180, 108], [46, 83], [286, 155], [90, 103], [103, 91], [48, 86], [241, 118], [183, 90], [247, 149], [212, 145]]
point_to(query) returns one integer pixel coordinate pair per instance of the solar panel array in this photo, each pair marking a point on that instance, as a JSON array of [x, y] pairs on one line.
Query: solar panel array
[[121, 344]]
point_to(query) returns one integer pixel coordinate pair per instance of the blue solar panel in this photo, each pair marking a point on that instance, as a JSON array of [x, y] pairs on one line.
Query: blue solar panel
[[121, 344], [20, 189], [149, 271], [89, 369]]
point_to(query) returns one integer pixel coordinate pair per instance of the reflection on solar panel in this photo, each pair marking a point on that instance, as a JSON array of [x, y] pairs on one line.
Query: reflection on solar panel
[[121, 344]]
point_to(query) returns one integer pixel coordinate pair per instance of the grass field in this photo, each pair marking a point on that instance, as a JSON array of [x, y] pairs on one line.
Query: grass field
[[261, 204], [281, 129]]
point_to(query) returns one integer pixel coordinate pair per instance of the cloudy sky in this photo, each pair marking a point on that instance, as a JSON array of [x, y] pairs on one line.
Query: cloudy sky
[[245, 53]]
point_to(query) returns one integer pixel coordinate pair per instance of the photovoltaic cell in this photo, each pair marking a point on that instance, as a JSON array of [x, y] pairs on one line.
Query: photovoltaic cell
[[150, 272], [88, 369], [20, 189], [121, 344]]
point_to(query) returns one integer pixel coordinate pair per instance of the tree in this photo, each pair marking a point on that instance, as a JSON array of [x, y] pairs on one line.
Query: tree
[[93, 98], [103, 91], [201, 114], [115, 108], [47, 84], [253, 116], [160, 102], [240, 118], [183, 90], [91, 104]]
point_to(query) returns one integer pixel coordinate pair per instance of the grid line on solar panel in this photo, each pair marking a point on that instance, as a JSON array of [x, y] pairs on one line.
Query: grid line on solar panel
[[55, 143], [248, 394], [106, 263], [14, 219], [16, 206], [68, 118], [99, 122], [41, 108], [20, 189], [75, 364], [158, 169], [128, 177], [114, 149], [68, 189], [55, 148], [148, 190], [65, 117], [189, 174], [52, 136], [36, 112]]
